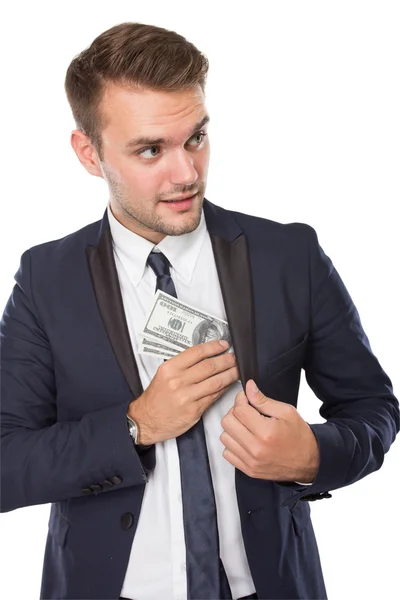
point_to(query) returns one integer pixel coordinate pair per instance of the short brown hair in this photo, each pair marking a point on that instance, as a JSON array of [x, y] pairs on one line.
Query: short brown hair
[[134, 55]]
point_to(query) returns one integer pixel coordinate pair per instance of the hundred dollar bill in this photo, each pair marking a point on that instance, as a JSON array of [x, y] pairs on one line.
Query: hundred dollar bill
[[151, 339], [155, 344], [173, 322], [149, 351]]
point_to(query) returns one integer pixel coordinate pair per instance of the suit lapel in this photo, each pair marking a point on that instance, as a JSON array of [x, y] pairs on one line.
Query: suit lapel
[[234, 271], [109, 299]]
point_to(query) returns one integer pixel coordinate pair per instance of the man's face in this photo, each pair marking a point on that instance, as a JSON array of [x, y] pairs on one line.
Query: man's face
[[142, 175]]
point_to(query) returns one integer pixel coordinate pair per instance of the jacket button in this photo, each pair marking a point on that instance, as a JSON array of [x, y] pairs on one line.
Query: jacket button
[[115, 479], [96, 487], [107, 484], [127, 520]]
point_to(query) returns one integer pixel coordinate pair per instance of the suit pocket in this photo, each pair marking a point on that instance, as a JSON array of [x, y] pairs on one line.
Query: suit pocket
[[295, 518], [58, 524], [289, 358]]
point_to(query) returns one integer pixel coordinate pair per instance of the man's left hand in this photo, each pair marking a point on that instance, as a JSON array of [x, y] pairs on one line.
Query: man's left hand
[[280, 448]]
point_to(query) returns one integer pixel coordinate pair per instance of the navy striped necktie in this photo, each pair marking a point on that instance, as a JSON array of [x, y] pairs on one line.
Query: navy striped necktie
[[206, 577]]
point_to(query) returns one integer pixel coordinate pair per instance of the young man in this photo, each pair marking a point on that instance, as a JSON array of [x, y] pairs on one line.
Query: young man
[[179, 478]]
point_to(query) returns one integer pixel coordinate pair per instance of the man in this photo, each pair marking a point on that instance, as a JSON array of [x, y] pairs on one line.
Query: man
[[189, 478]]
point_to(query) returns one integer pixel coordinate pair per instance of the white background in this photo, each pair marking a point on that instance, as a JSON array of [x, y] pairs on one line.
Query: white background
[[304, 101]]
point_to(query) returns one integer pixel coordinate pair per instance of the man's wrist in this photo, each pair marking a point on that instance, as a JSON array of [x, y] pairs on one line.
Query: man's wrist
[[134, 432], [135, 413], [133, 429], [307, 475], [309, 472]]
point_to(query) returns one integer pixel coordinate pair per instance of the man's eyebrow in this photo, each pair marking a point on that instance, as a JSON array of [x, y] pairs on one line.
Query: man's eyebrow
[[147, 141]]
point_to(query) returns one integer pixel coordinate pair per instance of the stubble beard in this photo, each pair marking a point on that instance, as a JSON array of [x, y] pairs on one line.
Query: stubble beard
[[151, 222]]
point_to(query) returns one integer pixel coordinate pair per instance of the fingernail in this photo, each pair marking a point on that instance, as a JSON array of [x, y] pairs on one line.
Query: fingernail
[[253, 386], [224, 343]]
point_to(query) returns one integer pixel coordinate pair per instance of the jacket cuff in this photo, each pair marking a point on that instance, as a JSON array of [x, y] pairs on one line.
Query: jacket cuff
[[333, 462]]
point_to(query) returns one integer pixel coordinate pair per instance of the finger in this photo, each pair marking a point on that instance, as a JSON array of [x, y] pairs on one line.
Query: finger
[[210, 367], [266, 406], [251, 419], [247, 415], [195, 354], [246, 426], [237, 438], [236, 462], [215, 384], [206, 402], [241, 399]]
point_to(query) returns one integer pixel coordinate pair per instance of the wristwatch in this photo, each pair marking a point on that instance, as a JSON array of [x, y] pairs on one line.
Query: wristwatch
[[133, 430]]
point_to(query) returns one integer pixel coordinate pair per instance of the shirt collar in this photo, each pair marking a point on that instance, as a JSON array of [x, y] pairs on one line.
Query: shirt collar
[[133, 250]]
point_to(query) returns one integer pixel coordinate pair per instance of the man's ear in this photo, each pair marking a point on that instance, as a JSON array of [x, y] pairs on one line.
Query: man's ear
[[86, 152]]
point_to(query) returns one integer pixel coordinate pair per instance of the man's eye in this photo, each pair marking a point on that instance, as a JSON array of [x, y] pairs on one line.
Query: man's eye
[[201, 134], [198, 142], [142, 152]]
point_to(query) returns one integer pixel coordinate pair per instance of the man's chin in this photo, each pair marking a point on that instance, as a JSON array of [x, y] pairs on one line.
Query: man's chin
[[176, 221], [177, 228]]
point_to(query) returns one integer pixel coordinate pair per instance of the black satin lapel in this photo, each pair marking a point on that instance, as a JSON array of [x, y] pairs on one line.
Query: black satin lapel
[[109, 299], [233, 266]]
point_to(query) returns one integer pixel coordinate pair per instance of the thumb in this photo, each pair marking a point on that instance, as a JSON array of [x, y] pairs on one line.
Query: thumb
[[240, 398], [266, 406]]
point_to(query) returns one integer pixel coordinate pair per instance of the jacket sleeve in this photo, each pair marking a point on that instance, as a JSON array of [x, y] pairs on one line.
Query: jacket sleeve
[[44, 460], [361, 412]]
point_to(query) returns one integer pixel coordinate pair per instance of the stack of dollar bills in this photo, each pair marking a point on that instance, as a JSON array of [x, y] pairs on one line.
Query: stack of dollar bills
[[173, 326]]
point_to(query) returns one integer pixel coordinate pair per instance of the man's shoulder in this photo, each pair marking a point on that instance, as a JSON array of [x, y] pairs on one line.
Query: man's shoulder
[[267, 230], [68, 244]]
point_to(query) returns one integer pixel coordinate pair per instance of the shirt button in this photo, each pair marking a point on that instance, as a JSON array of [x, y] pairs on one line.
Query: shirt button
[[183, 566], [179, 497]]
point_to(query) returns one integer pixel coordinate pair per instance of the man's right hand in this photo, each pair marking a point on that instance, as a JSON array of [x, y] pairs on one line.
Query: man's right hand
[[181, 390]]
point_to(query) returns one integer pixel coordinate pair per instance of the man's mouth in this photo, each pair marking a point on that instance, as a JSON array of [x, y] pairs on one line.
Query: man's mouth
[[184, 204], [180, 199]]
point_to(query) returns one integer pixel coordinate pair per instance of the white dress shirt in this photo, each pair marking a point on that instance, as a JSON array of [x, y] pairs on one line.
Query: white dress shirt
[[157, 563]]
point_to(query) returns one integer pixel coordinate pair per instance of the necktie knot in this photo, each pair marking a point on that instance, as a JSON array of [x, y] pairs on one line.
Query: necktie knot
[[159, 263]]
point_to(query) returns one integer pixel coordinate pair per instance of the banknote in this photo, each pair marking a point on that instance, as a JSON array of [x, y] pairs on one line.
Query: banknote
[[151, 340], [155, 345], [154, 352], [177, 325]]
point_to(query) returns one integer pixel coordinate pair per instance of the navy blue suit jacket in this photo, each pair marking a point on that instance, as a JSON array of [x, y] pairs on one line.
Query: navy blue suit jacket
[[69, 374]]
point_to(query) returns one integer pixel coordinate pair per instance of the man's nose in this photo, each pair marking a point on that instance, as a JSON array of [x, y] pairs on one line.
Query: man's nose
[[182, 170]]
